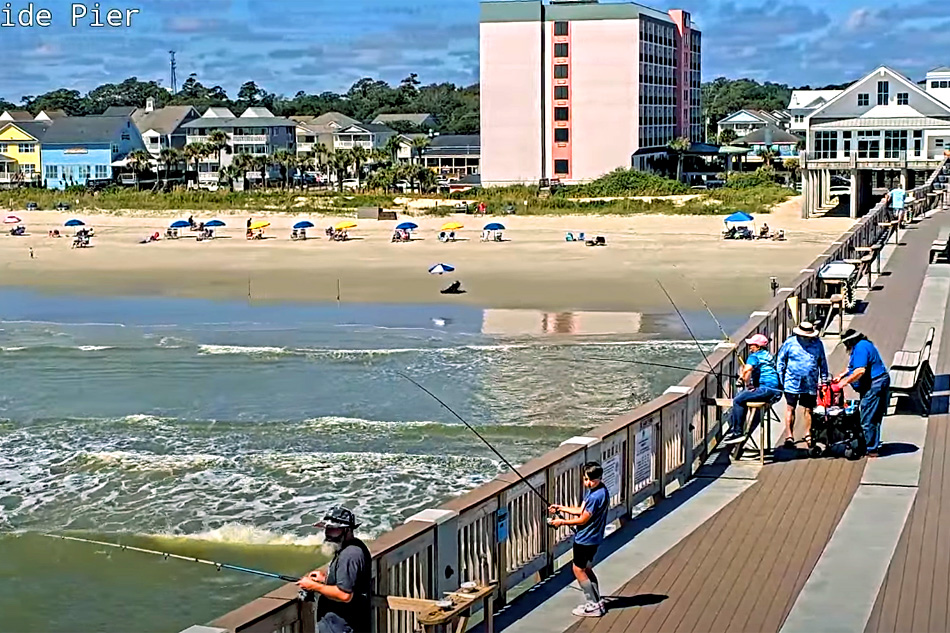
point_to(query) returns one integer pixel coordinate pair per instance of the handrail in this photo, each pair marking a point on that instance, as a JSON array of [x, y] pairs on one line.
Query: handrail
[[496, 532]]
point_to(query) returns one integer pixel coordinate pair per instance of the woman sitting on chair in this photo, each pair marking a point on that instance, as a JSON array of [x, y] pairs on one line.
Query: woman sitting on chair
[[761, 384]]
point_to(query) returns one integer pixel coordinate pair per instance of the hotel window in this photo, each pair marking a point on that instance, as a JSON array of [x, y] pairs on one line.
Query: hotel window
[[52, 172], [883, 92], [918, 142], [85, 171], [560, 50], [102, 171], [903, 98], [864, 99], [895, 142], [562, 135], [846, 142], [560, 71], [26, 148], [934, 84], [560, 28], [561, 114], [561, 167], [869, 144], [826, 145], [799, 118], [560, 93]]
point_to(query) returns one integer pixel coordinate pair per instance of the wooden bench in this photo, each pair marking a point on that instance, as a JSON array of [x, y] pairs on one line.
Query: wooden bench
[[753, 410], [912, 376], [940, 248]]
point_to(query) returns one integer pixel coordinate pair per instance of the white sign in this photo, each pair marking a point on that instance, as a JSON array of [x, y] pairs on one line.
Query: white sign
[[611, 477], [642, 456]]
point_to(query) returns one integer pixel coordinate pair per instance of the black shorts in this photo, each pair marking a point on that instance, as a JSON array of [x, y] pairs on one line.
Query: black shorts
[[584, 555], [806, 400]]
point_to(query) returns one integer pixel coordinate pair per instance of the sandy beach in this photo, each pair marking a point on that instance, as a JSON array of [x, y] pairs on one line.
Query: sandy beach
[[533, 268]]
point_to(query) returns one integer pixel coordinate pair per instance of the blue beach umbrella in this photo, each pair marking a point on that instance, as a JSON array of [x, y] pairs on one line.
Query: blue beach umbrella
[[214, 223], [407, 226], [438, 269], [304, 224], [494, 226], [739, 216], [179, 224], [74, 222]]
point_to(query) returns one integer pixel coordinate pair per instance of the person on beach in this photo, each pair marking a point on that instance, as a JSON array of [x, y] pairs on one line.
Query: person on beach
[[591, 520], [869, 376], [801, 365], [344, 590], [759, 372]]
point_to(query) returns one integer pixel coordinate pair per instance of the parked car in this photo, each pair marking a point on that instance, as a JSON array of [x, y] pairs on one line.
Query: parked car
[[351, 183], [62, 206], [32, 206], [305, 179]]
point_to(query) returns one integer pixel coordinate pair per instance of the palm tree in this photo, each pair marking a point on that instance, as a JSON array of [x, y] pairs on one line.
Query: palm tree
[[359, 156], [392, 147], [727, 136], [339, 161], [139, 161], [218, 142], [167, 157], [194, 152], [242, 164], [263, 162], [767, 154], [419, 146], [426, 178], [679, 147]]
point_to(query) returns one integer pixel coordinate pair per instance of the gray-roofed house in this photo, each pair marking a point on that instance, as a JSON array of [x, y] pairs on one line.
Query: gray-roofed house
[[257, 131], [50, 115], [318, 130], [162, 128], [784, 144], [15, 115], [420, 119], [367, 135], [78, 149], [454, 154], [20, 155]]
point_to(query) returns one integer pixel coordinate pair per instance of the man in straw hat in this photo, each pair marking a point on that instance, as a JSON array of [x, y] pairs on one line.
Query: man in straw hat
[[801, 365], [345, 588], [870, 377], [759, 372]]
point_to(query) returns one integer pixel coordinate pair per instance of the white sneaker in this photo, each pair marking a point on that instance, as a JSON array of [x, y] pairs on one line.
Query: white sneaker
[[589, 610]]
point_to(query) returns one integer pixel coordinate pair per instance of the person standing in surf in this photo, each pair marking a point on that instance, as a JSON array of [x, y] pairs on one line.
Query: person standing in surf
[[345, 588], [591, 520]]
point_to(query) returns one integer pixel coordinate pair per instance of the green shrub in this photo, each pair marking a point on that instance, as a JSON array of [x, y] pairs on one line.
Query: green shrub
[[745, 180], [625, 182]]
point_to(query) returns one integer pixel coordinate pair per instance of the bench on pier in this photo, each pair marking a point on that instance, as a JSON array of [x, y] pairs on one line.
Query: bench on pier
[[756, 412], [940, 248], [912, 376]]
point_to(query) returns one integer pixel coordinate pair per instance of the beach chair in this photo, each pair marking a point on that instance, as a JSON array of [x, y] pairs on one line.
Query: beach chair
[[452, 236], [498, 236], [484, 237], [580, 237], [442, 237], [569, 237]]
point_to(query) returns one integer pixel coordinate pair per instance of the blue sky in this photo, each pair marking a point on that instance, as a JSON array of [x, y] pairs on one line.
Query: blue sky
[[320, 45]]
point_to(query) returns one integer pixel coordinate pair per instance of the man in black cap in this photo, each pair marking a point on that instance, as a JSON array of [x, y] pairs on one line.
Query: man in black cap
[[869, 376], [344, 590]]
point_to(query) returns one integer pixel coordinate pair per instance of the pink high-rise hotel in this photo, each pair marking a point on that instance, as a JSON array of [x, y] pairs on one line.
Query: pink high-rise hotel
[[572, 89]]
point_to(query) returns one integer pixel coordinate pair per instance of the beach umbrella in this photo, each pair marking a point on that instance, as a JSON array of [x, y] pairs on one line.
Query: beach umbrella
[[304, 224], [11, 219], [214, 223], [260, 224], [179, 224], [494, 226], [344, 225], [438, 269], [75, 222], [452, 226], [739, 216], [407, 226]]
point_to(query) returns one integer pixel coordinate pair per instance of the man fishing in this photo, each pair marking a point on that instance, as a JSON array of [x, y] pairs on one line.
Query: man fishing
[[344, 591]]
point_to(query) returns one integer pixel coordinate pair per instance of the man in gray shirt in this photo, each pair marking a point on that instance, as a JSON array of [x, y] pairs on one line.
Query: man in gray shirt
[[343, 604]]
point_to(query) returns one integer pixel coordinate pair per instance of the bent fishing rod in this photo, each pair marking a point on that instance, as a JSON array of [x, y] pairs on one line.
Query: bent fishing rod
[[488, 444], [167, 555], [692, 336]]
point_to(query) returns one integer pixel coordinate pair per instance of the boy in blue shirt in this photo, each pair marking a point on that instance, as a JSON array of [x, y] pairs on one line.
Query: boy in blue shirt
[[591, 520]]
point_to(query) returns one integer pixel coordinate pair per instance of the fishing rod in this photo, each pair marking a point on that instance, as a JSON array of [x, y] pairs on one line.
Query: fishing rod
[[693, 336], [167, 555], [709, 310], [488, 444], [663, 365]]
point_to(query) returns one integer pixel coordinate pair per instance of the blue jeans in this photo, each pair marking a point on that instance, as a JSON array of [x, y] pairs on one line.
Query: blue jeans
[[760, 394], [873, 408]]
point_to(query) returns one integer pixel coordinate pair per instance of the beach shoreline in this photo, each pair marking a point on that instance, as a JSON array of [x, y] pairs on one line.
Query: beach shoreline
[[535, 268]]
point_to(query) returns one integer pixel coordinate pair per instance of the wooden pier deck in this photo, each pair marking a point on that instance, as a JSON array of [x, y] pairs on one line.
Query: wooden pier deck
[[745, 568]]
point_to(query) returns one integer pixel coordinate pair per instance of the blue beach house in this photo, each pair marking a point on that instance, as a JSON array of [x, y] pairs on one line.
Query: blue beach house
[[78, 149]]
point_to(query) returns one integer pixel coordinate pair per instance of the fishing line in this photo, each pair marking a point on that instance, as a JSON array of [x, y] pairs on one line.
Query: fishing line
[[663, 365], [488, 444], [688, 329], [705, 305], [166, 555]]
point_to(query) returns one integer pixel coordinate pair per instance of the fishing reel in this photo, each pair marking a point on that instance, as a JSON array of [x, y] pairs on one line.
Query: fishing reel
[[305, 595]]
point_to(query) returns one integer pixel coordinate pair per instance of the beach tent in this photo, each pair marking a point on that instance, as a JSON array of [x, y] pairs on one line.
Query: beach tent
[[438, 269], [738, 216], [304, 224], [75, 222], [214, 223], [179, 224], [407, 226], [344, 225], [494, 226]]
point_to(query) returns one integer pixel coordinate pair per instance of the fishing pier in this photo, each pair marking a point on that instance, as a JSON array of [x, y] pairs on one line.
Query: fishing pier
[[705, 543]]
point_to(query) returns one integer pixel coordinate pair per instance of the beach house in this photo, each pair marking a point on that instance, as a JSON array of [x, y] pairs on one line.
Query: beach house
[[20, 156], [76, 150], [313, 131], [161, 128]]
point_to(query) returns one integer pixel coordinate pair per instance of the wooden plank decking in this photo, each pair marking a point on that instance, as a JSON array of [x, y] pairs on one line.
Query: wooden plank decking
[[744, 568]]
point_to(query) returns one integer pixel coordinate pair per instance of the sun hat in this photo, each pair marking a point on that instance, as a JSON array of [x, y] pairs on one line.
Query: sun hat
[[851, 336], [338, 517], [759, 339], [806, 329]]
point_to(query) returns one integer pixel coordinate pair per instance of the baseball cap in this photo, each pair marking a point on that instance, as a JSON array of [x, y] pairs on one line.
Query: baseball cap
[[338, 517]]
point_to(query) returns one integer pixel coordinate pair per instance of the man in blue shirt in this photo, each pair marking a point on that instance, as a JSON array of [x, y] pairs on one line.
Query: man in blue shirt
[[896, 198], [869, 376], [759, 371], [591, 520], [801, 365]]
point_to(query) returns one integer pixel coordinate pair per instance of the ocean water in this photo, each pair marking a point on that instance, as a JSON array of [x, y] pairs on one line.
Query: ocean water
[[225, 429]]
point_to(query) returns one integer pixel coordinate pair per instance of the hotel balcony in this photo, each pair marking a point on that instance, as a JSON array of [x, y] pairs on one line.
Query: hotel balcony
[[249, 139], [902, 160]]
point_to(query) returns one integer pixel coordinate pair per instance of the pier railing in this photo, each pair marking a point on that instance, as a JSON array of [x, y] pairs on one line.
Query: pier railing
[[497, 531]]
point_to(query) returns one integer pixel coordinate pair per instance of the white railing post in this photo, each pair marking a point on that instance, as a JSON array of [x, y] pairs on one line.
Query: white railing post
[[446, 551]]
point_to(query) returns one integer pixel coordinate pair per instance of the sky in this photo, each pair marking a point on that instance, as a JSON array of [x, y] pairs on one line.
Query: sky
[[326, 45]]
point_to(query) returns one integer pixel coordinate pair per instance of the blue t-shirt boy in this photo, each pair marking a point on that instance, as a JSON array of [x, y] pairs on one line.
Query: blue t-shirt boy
[[597, 502]]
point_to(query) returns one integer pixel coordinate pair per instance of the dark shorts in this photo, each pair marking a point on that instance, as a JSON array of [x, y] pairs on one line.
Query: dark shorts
[[584, 555], [806, 400]]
